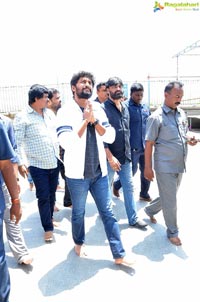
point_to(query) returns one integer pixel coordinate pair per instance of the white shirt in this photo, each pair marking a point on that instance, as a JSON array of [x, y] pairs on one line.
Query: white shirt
[[69, 120]]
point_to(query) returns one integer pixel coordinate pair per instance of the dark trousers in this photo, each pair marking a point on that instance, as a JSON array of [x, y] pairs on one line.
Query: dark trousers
[[46, 181], [67, 198]]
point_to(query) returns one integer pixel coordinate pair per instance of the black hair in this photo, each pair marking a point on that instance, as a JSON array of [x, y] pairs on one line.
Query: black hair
[[173, 84], [36, 91], [114, 81], [51, 92], [81, 74], [136, 87], [99, 85]]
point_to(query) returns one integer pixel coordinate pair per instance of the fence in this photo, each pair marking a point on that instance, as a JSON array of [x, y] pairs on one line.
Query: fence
[[15, 98], [155, 90]]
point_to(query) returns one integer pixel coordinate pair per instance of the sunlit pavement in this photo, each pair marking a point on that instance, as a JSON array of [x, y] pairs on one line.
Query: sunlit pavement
[[163, 272]]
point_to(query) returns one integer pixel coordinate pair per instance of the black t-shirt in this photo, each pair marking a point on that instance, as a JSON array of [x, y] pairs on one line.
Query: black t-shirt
[[92, 165]]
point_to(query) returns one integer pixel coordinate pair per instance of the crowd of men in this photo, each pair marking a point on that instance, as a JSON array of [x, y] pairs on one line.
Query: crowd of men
[[98, 146]]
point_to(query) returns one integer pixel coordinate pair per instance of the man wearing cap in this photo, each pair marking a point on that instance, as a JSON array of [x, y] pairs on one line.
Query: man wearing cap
[[139, 113], [119, 152]]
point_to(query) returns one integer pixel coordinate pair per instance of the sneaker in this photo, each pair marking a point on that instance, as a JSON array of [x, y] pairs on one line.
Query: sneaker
[[26, 259]]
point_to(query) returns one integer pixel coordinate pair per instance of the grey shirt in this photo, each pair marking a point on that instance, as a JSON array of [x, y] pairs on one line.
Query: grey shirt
[[168, 129]]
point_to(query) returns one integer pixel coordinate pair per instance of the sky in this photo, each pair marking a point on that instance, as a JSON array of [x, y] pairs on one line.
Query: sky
[[47, 41]]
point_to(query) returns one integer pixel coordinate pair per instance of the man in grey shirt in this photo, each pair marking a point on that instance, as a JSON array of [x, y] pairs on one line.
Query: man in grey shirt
[[167, 132]]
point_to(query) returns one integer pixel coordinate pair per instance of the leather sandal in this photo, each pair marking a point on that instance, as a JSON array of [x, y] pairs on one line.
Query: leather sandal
[[48, 236]]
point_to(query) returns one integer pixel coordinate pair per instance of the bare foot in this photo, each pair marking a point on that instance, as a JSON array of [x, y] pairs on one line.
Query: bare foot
[[124, 261], [55, 223], [60, 189], [153, 219], [175, 240], [26, 259], [56, 209], [80, 250], [31, 186]]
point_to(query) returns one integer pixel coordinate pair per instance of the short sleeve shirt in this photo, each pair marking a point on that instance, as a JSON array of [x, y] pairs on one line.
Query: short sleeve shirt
[[168, 129], [6, 152]]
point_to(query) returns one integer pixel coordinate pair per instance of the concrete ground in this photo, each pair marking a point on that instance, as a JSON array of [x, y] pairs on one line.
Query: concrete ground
[[163, 272]]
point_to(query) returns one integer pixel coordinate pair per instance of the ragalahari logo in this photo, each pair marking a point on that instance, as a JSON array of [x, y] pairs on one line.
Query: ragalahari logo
[[157, 6], [178, 6]]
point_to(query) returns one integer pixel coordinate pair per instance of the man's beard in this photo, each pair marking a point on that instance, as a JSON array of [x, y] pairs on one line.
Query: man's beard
[[84, 95], [117, 95]]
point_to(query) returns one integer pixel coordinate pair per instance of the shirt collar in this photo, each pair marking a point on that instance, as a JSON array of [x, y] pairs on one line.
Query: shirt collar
[[132, 103], [167, 109], [31, 110]]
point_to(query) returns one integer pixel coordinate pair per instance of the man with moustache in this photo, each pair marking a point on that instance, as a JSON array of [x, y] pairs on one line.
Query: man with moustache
[[166, 133], [82, 129], [119, 152]]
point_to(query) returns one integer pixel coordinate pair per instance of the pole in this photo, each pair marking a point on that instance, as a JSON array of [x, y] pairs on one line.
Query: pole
[[177, 68]]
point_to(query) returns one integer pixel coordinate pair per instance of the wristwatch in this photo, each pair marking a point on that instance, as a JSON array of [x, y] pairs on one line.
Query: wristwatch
[[95, 123]]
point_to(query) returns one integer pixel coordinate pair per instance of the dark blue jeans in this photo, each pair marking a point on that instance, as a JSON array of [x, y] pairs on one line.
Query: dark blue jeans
[[99, 188], [46, 181], [4, 273], [137, 158]]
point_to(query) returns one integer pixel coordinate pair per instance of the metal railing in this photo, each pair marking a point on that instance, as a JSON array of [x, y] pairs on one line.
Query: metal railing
[[15, 98]]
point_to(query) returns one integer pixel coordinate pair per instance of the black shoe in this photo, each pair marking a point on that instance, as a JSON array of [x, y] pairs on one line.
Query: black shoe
[[140, 224], [67, 204], [148, 199], [115, 192]]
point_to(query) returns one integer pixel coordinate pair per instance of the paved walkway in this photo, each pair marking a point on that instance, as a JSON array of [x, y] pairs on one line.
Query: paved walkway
[[162, 272]]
